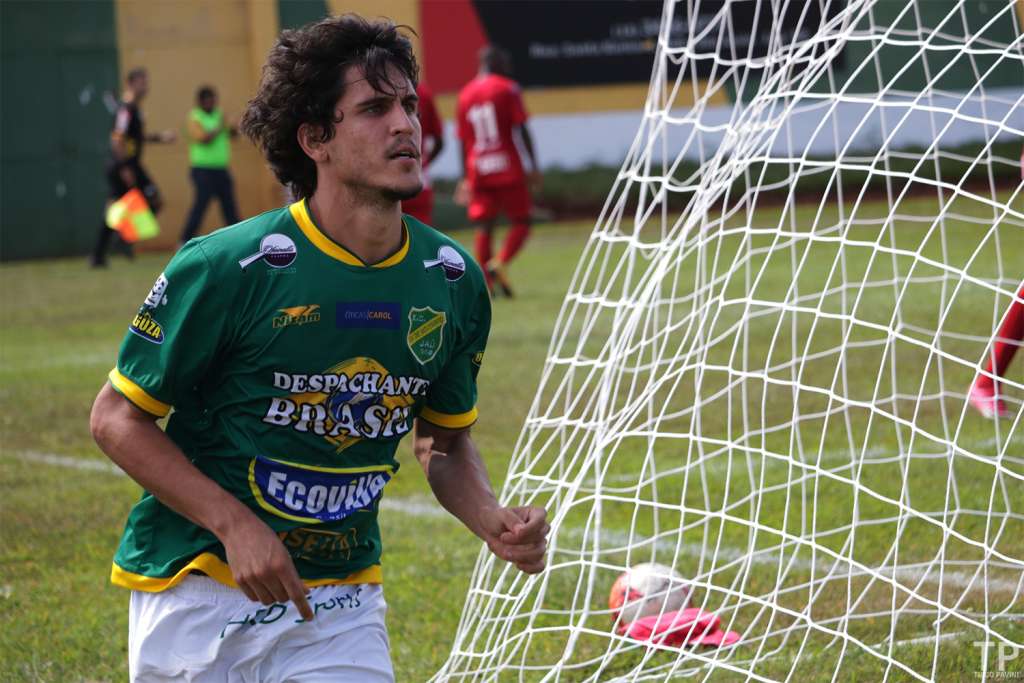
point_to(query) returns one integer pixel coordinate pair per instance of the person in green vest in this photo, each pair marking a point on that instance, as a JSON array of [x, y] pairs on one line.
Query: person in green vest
[[209, 153]]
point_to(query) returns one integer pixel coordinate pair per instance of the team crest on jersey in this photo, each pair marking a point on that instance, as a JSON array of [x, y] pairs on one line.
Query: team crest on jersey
[[450, 261], [156, 295], [426, 333], [315, 494], [145, 326], [276, 250]]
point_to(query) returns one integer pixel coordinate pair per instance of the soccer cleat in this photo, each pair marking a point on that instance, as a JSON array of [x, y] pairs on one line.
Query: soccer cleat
[[986, 402], [498, 276]]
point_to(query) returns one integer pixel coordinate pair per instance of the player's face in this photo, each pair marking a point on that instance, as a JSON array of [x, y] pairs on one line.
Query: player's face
[[376, 146]]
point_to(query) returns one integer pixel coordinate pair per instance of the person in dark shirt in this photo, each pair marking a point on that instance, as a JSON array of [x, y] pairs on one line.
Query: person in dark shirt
[[125, 170]]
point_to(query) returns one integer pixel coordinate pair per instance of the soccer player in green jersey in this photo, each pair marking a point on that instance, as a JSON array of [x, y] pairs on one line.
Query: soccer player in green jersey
[[297, 348]]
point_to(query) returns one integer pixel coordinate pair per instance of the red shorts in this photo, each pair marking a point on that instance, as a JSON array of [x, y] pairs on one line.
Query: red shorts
[[488, 202], [421, 207]]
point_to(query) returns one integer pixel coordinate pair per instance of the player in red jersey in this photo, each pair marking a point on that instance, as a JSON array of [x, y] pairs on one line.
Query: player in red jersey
[[984, 394], [422, 205], [490, 113]]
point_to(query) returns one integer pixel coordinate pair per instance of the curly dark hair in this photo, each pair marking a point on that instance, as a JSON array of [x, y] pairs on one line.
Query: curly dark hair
[[303, 80]]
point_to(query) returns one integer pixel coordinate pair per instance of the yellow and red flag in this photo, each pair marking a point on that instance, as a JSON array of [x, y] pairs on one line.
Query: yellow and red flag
[[132, 218]]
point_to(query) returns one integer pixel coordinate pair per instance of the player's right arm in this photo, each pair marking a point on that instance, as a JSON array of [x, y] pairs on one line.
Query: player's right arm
[[258, 560], [169, 350]]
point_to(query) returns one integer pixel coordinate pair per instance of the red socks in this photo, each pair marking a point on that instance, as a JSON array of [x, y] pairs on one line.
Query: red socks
[[1008, 340], [514, 241], [483, 250]]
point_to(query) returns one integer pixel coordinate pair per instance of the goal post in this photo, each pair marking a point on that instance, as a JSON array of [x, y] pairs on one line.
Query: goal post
[[759, 374]]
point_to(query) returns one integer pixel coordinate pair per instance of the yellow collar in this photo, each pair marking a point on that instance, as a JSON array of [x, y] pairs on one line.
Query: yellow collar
[[300, 212]]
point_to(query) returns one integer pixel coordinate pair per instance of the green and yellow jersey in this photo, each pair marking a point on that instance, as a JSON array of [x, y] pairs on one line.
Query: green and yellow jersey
[[294, 369]]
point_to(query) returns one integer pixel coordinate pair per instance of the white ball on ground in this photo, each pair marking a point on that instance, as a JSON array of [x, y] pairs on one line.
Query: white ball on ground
[[648, 589]]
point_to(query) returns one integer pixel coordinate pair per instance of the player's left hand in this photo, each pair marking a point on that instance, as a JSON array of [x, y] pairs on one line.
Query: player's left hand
[[518, 535]]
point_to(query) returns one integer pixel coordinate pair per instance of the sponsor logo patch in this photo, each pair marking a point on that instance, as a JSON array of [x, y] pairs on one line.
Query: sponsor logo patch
[[319, 544], [156, 295], [296, 315], [145, 326], [373, 315], [353, 400], [426, 333], [315, 494], [478, 358], [450, 261], [276, 250]]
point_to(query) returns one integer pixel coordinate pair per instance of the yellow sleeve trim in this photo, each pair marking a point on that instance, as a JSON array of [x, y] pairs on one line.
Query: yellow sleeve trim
[[460, 421], [218, 570], [134, 393]]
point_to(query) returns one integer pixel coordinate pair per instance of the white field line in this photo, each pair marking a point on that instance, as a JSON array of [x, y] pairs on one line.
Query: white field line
[[769, 556], [720, 464], [763, 557], [106, 357], [407, 506], [922, 640], [84, 464]]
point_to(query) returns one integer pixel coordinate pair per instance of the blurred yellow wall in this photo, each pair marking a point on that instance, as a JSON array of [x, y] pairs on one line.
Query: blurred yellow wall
[[185, 44], [399, 11], [224, 43]]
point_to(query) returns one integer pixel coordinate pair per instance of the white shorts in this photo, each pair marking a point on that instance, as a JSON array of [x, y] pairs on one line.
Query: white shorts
[[201, 631]]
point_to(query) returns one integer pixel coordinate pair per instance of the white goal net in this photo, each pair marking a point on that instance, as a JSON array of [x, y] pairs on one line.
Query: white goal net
[[759, 375]]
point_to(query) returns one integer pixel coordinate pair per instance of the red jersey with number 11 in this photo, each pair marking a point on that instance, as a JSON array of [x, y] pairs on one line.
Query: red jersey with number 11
[[490, 107]]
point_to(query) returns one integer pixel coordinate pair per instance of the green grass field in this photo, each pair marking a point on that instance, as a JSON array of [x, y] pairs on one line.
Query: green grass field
[[758, 469], [61, 620]]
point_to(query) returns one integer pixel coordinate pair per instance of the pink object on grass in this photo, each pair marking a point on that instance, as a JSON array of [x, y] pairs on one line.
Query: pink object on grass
[[690, 626]]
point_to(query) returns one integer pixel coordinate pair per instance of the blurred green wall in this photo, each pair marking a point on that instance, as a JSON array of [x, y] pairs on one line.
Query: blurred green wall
[[59, 65], [296, 13]]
